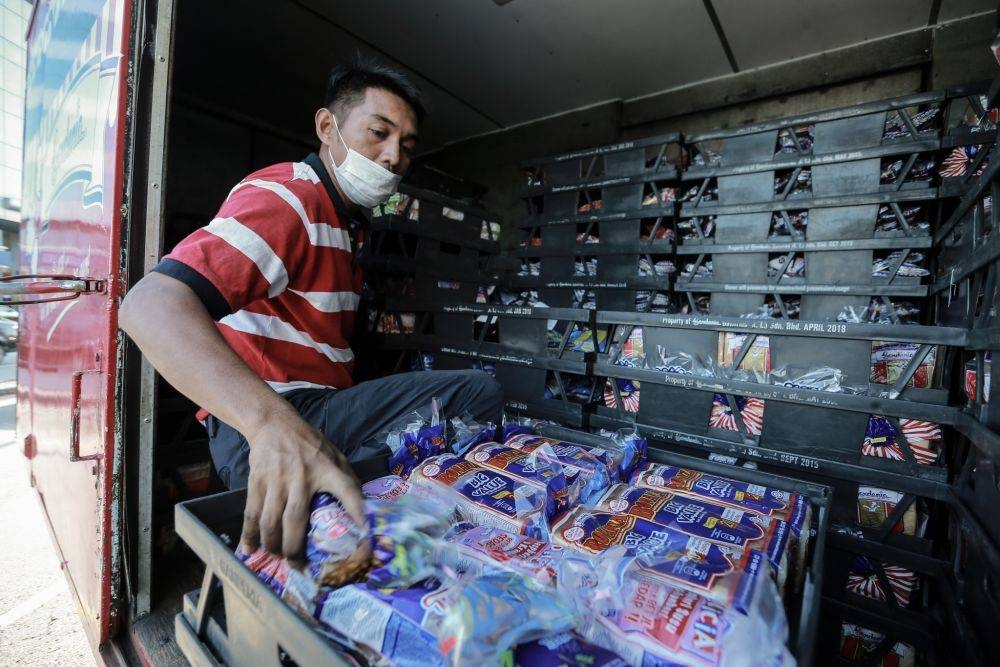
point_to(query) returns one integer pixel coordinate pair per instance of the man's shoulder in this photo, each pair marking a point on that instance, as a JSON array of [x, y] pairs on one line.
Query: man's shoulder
[[295, 176]]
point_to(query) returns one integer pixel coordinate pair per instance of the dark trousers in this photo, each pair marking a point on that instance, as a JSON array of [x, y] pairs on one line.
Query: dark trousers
[[352, 419]]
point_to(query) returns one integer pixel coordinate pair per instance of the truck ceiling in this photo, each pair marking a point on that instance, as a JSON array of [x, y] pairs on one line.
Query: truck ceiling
[[488, 65]]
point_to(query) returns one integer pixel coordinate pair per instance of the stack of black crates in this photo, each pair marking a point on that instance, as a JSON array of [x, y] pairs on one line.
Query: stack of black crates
[[835, 285], [425, 252]]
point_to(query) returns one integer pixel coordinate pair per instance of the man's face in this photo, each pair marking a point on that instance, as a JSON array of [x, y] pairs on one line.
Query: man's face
[[383, 128]]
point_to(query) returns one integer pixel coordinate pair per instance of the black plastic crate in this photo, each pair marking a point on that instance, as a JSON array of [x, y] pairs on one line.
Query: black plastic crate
[[685, 407], [865, 135], [236, 619], [625, 163], [429, 214]]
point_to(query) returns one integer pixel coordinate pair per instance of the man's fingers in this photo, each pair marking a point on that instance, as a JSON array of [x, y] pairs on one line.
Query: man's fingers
[[344, 486], [250, 536], [295, 524], [270, 519]]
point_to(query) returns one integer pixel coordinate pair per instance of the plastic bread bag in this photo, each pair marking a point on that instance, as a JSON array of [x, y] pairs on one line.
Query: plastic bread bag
[[594, 471], [478, 550], [483, 496], [875, 506], [703, 519], [466, 433], [397, 627], [723, 573], [414, 438], [649, 621], [534, 469], [864, 579], [858, 643], [629, 452], [331, 538], [486, 616], [766, 501], [565, 649], [389, 487], [407, 536]]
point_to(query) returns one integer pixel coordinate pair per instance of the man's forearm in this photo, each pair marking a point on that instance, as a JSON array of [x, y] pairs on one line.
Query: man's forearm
[[173, 330]]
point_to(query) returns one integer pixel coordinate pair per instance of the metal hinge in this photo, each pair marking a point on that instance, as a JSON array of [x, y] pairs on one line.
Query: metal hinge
[[59, 287]]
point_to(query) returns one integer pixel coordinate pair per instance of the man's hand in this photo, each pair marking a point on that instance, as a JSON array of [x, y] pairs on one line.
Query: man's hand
[[290, 461]]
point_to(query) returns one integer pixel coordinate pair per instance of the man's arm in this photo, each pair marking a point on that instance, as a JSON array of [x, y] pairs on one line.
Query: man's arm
[[289, 459]]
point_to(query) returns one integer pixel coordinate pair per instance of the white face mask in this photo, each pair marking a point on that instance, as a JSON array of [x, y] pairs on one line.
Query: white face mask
[[365, 182]]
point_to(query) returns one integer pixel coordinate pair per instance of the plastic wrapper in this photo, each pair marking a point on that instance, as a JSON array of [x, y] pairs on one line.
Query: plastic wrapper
[[651, 622], [407, 535], [565, 650], [922, 170], [594, 205], [889, 361], [882, 439], [585, 267], [689, 228], [779, 226], [466, 433], [703, 270], [863, 580], [397, 627], [751, 412], [414, 439], [597, 468], [533, 469], [787, 506], [757, 358], [530, 268], [578, 389], [725, 574], [971, 375], [860, 644], [878, 312], [483, 496], [710, 193], [486, 616], [875, 505], [664, 197], [801, 186], [629, 390], [652, 231], [924, 121], [482, 550], [815, 379], [910, 268], [796, 266], [915, 216], [960, 160], [659, 268], [633, 352], [792, 141], [701, 518], [489, 231]]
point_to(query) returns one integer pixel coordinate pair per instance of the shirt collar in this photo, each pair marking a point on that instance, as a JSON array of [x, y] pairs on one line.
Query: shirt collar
[[314, 161]]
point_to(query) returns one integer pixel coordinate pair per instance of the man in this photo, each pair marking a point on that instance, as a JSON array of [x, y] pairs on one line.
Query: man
[[250, 317]]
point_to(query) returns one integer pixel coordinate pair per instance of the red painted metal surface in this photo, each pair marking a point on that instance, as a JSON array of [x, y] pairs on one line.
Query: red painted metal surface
[[75, 124]]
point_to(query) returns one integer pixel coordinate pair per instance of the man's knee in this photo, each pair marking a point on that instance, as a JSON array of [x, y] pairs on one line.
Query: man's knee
[[483, 388]]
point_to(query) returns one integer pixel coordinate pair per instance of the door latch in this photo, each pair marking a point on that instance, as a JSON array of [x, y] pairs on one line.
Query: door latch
[[47, 288]]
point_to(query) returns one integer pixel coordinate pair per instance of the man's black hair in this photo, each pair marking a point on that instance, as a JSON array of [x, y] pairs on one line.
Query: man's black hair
[[346, 85]]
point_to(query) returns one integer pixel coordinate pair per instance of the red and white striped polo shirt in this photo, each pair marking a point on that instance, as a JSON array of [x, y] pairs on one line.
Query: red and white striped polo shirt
[[275, 269]]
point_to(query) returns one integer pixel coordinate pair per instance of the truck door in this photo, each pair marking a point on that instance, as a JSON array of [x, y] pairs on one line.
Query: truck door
[[75, 139]]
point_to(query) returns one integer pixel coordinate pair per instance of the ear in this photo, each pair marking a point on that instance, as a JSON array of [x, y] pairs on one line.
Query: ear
[[324, 126]]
